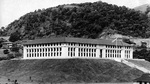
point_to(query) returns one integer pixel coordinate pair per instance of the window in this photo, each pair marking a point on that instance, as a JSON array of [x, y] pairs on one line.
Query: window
[[87, 52], [40, 54], [43, 54], [94, 52], [71, 51], [51, 51], [127, 53], [79, 52], [37, 54]]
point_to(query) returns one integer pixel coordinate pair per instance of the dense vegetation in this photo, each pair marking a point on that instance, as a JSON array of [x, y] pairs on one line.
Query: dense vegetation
[[142, 52], [87, 20], [68, 70]]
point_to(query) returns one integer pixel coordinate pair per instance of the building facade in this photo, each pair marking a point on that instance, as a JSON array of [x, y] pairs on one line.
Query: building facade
[[64, 47]]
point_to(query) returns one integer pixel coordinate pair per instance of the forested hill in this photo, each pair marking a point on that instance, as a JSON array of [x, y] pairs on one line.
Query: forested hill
[[87, 20]]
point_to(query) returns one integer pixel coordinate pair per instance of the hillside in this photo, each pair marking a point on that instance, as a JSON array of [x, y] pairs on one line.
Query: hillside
[[85, 20], [142, 8], [68, 70]]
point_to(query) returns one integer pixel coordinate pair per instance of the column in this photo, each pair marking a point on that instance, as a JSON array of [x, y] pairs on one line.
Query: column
[[24, 52], [123, 52], [104, 53], [31, 51], [47, 51], [131, 53], [42, 51], [64, 50], [97, 53], [76, 51]]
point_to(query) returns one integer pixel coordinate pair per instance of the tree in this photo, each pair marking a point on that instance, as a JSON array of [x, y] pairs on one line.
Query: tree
[[147, 10], [15, 49], [6, 51], [2, 28], [142, 52], [2, 31], [15, 36]]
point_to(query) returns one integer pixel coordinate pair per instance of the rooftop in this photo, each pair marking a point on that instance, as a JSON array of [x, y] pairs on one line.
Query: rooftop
[[76, 40]]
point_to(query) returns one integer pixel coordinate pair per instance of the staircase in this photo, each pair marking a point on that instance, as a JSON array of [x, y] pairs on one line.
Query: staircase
[[138, 64]]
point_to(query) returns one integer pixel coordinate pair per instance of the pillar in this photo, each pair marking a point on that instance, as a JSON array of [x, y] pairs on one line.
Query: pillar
[[76, 52], [31, 51], [97, 53], [24, 52], [123, 52], [64, 50], [131, 53], [104, 52]]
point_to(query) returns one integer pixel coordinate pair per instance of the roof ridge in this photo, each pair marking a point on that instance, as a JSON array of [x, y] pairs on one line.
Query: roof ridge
[[76, 40]]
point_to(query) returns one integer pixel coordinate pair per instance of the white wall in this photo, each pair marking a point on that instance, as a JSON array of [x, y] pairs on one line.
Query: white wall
[[88, 51]]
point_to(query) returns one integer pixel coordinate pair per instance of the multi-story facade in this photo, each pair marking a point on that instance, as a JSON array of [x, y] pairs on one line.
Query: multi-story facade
[[65, 47]]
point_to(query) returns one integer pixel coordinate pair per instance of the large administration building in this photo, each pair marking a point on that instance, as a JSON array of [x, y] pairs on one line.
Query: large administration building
[[66, 47]]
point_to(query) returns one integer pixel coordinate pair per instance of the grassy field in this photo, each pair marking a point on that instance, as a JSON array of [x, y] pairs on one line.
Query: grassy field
[[141, 63], [66, 71]]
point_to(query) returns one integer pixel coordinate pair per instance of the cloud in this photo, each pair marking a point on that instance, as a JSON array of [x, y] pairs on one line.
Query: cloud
[[141, 2]]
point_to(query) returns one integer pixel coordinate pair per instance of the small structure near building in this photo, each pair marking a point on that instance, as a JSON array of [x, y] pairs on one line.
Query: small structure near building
[[7, 45], [66, 47], [144, 79]]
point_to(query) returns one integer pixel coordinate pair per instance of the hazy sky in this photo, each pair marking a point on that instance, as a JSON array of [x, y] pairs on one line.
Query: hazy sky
[[11, 10]]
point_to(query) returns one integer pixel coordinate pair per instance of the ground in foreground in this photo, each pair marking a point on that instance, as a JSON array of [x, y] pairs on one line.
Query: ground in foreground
[[67, 70]]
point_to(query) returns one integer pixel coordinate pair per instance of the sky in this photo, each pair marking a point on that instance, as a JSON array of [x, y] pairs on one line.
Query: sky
[[11, 10]]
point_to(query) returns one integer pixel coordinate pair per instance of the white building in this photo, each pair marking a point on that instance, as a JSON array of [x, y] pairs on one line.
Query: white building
[[66, 47]]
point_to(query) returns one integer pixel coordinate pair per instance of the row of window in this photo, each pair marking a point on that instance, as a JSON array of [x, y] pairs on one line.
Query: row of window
[[43, 49], [113, 53], [82, 45], [111, 46], [119, 47], [82, 52], [44, 52], [71, 51], [127, 47], [59, 44], [86, 52], [127, 54], [87, 45], [40, 45]]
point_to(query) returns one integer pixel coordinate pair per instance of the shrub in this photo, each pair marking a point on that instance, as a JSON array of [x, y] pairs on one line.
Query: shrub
[[4, 58], [18, 54], [10, 56], [15, 49], [6, 51]]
